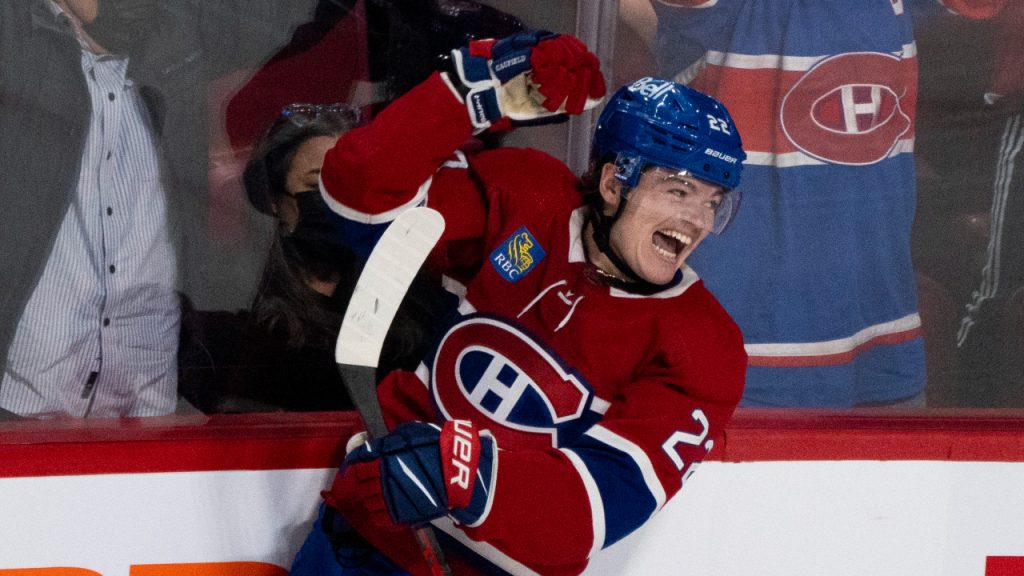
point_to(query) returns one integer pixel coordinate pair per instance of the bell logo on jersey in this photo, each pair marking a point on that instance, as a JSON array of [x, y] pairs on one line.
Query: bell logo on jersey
[[849, 109], [517, 255], [491, 373]]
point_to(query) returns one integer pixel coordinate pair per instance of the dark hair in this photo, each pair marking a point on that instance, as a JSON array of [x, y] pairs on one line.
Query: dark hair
[[267, 169], [589, 183], [285, 304]]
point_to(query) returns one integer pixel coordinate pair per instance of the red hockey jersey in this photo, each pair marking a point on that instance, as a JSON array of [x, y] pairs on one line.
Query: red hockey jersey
[[602, 401]]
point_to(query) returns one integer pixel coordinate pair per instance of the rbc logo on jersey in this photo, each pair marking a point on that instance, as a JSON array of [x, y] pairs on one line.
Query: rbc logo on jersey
[[849, 109], [517, 255], [485, 367]]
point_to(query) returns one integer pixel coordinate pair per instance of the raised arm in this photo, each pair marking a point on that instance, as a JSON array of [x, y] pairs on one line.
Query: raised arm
[[375, 172]]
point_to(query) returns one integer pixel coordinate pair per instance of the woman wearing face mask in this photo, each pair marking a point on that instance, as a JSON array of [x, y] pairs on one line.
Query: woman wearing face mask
[[281, 353], [298, 295]]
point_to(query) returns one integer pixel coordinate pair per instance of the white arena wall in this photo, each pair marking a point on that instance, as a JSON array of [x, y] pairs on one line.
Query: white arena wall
[[784, 493]]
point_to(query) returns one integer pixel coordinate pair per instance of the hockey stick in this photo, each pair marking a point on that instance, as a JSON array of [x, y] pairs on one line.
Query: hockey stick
[[382, 285]]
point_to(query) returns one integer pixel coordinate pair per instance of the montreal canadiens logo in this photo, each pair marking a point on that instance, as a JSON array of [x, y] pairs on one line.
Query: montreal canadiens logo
[[487, 368], [847, 109]]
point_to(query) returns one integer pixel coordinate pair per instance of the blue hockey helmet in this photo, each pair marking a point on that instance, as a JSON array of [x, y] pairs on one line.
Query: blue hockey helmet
[[655, 122]]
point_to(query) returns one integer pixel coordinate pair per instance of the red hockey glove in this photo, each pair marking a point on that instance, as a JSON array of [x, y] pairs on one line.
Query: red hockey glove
[[419, 472], [534, 77]]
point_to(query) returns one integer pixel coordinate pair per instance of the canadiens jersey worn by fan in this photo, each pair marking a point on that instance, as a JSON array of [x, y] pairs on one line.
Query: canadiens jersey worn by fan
[[817, 268], [600, 401]]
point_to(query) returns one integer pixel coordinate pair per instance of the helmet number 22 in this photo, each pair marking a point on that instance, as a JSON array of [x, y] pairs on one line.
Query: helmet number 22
[[718, 124], [688, 439]]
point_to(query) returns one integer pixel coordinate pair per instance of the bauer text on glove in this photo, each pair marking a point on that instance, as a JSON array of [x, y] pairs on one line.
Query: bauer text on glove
[[422, 471], [532, 77]]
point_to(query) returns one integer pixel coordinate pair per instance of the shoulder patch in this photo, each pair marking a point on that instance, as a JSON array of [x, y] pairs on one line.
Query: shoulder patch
[[517, 255]]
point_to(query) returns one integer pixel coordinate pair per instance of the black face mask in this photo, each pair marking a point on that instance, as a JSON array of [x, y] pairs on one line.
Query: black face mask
[[314, 218], [315, 245], [121, 26]]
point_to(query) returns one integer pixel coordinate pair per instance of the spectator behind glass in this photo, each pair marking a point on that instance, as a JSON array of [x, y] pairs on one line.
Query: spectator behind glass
[[817, 271], [280, 355], [102, 164], [991, 330]]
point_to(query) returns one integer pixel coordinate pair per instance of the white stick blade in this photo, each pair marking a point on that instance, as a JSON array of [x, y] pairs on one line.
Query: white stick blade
[[385, 279]]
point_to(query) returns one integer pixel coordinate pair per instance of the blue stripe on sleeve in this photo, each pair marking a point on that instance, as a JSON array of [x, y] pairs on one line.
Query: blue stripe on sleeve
[[361, 237], [628, 502]]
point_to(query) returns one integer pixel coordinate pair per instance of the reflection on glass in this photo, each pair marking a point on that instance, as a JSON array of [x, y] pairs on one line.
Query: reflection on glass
[[107, 221], [875, 259]]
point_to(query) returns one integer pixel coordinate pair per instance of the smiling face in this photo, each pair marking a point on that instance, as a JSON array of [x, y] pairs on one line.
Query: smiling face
[[666, 217]]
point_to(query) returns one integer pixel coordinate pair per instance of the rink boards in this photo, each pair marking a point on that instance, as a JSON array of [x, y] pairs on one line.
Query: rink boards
[[785, 493]]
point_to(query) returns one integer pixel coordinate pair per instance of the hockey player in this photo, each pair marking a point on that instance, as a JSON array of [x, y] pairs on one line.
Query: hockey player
[[589, 369]]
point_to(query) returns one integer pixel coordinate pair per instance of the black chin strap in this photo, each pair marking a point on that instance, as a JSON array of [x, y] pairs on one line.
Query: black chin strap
[[602, 226]]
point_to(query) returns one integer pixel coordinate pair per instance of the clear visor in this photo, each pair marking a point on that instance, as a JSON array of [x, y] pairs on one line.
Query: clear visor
[[727, 203], [726, 210]]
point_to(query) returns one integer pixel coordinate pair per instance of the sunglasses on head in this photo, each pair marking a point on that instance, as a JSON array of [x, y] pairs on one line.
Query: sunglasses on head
[[300, 113]]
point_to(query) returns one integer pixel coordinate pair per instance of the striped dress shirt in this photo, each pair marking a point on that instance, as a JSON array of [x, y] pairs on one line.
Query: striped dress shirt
[[99, 335]]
